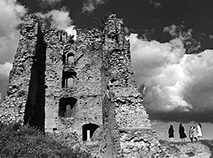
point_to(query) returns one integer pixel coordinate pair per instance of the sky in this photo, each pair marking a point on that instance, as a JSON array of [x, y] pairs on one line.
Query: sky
[[171, 48]]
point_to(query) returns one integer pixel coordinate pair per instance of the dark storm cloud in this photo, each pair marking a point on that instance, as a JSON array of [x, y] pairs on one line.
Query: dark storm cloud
[[184, 117]]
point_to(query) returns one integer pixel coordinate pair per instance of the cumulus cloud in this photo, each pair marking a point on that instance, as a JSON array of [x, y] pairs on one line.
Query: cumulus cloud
[[5, 69], [4, 74], [10, 13], [90, 5], [191, 45], [177, 86], [60, 19]]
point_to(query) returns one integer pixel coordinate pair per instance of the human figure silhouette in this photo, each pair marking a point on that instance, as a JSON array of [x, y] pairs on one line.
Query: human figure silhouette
[[171, 133], [182, 132]]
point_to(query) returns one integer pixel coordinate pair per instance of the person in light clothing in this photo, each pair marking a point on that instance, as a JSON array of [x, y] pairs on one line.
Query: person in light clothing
[[191, 133], [199, 131], [194, 133]]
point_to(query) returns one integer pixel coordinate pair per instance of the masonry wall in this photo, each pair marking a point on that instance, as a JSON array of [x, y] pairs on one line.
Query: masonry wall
[[85, 91], [13, 106], [55, 40], [84, 87], [126, 118], [87, 83]]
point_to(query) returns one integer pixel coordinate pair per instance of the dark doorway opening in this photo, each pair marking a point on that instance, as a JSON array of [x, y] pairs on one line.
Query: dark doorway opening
[[68, 79], [70, 58], [67, 106], [88, 130]]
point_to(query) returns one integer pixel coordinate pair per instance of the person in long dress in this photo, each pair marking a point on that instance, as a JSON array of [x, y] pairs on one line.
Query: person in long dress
[[191, 133], [199, 131], [171, 133], [194, 134], [182, 132]]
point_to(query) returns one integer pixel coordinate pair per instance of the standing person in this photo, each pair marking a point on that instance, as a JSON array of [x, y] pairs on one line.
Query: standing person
[[182, 132], [194, 133], [199, 132], [171, 133], [191, 133]]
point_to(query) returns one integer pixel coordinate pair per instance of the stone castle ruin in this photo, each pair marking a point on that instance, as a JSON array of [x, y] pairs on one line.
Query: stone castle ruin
[[84, 87]]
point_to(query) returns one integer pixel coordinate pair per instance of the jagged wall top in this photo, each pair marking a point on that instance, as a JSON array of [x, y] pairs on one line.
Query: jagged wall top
[[113, 24], [50, 33]]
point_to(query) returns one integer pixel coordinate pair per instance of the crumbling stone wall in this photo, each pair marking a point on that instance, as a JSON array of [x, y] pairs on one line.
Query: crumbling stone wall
[[126, 118], [13, 106], [85, 87], [55, 41]]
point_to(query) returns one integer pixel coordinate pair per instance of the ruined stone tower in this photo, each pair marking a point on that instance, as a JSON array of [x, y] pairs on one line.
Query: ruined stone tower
[[84, 87]]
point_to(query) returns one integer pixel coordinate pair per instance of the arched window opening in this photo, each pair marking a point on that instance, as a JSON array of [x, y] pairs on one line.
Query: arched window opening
[[88, 130], [68, 79], [67, 107], [70, 58]]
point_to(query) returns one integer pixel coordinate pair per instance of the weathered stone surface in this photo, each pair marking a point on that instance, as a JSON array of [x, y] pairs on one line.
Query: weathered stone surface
[[84, 87], [15, 103]]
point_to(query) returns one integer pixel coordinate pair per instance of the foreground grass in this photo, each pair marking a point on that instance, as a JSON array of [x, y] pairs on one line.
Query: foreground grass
[[26, 142]]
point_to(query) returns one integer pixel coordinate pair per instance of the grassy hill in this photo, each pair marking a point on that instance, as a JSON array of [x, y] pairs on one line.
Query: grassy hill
[[26, 142]]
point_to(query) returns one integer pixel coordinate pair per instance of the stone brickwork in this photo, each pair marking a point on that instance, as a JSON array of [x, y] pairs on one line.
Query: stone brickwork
[[125, 117], [85, 87], [13, 106]]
